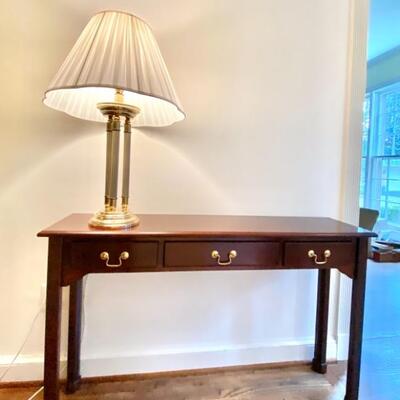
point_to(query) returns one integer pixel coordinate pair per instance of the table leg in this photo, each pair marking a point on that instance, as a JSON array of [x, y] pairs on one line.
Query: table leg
[[356, 322], [74, 336], [53, 321], [321, 329]]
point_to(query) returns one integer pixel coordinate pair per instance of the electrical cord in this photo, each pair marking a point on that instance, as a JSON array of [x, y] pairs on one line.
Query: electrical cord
[[42, 387], [36, 393], [82, 334], [41, 309], [11, 364]]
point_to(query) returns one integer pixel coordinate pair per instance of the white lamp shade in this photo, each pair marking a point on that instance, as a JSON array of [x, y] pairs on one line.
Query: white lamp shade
[[116, 50]]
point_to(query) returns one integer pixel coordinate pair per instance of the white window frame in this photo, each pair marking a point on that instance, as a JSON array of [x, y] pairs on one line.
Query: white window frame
[[373, 159]]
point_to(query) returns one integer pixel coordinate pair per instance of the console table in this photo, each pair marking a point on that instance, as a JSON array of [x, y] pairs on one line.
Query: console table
[[198, 243]]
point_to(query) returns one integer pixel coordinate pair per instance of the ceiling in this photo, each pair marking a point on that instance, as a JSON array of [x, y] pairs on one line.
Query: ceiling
[[384, 28]]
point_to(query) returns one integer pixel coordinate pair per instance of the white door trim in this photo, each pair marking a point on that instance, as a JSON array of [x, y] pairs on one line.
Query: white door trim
[[351, 163]]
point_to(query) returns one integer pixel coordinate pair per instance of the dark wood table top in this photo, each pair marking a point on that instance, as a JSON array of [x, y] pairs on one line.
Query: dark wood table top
[[210, 225]]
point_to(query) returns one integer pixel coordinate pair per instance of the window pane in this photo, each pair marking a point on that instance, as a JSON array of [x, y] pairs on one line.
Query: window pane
[[366, 125], [362, 181], [390, 124]]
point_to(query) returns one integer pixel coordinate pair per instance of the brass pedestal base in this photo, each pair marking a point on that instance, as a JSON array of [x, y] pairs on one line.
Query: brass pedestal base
[[114, 220]]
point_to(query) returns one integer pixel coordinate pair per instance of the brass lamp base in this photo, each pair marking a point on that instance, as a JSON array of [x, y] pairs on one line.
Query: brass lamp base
[[114, 220], [114, 216]]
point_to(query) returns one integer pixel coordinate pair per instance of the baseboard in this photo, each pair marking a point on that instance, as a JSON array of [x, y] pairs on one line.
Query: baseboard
[[167, 374], [30, 368]]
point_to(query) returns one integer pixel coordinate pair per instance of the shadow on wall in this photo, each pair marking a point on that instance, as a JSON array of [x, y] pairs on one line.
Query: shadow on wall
[[39, 135], [34, 132]]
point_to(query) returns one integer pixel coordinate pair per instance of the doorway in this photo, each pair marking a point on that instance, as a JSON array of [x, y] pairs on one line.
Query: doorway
[[380, 190]]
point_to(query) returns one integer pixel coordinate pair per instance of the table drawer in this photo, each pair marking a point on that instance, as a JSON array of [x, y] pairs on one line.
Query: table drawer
[[325, 254], [221, 254], [106, 255]]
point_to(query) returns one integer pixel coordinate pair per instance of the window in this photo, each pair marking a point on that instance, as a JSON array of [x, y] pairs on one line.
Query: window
[[380, 171]]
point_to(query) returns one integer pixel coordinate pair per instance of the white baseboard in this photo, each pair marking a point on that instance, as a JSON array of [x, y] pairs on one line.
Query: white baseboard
[[31, 367]]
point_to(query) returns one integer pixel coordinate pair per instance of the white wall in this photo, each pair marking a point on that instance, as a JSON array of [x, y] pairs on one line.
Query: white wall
[[263, 86]]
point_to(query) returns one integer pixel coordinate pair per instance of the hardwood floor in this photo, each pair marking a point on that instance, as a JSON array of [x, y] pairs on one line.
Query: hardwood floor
[[380, 365], [266, 383], [380, 377]]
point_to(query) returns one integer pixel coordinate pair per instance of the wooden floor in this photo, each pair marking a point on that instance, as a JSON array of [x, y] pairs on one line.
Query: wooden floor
[[278, 383], [380, 366]]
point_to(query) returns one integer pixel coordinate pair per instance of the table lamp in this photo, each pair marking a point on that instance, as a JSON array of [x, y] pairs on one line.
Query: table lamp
[[115, 73]]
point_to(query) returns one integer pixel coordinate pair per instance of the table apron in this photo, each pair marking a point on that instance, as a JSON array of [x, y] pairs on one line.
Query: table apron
[[159, 254]]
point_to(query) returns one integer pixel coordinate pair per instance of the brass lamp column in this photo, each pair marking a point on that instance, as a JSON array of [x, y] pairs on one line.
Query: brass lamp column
[[113, 216], [115, 73]]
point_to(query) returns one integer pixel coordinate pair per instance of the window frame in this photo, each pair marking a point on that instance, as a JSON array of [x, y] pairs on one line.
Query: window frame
[[374, 156]]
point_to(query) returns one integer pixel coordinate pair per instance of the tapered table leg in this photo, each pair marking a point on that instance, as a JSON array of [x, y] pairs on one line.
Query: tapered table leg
[[74, 337], [321, 329], [356, 322], [53, 321]]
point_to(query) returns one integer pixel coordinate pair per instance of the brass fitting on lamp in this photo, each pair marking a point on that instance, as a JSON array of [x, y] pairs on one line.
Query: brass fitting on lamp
[[114, 217]]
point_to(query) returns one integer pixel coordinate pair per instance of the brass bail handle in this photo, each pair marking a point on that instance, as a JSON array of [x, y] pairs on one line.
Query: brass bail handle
[[232, 254], [312, 254], [106, 257]]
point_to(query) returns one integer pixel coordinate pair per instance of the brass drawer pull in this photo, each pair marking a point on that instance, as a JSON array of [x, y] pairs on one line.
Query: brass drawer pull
[[312, 254], [106, 257], [232, 254]]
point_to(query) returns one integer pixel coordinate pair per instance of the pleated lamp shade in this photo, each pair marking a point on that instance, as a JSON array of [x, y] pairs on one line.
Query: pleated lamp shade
[[116, 50]]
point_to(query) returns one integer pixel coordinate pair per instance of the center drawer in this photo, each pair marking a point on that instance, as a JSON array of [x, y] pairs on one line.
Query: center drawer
[[221, 254]]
